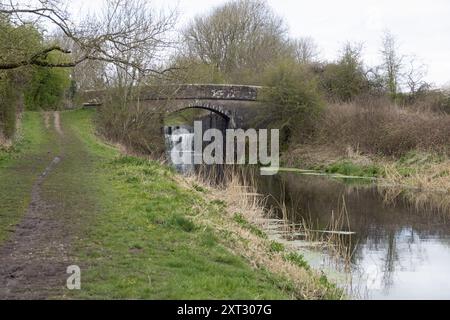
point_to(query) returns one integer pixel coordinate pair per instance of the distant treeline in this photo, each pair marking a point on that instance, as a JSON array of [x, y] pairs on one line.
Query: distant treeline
[[127, 46]]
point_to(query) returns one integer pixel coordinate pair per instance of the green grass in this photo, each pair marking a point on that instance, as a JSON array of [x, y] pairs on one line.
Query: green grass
[[239, 218], [405, 166], [348, 168], [414, 161], [144, 242], [350, 177], [29, 139], [134, 227], [297, 259], [19, 167]]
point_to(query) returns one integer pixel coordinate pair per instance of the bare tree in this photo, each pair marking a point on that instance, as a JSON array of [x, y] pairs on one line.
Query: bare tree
[[238, 35], [123, 35], [306, 50], [414, 77], [392, 63]]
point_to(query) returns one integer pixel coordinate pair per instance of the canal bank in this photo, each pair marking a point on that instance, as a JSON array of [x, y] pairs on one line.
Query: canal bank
[[374, 226], [136, 228], [162, 235]]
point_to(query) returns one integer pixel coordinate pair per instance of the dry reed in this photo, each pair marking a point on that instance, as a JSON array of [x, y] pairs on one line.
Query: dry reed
[[238, 191]]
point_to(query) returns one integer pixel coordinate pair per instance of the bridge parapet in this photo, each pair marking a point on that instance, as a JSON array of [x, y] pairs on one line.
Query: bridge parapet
[[240, 104], [204, 91], [187, 92]]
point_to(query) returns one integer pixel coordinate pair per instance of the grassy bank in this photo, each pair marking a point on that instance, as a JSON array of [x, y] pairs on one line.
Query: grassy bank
[[421, 170], [156, 235], [420, 177]]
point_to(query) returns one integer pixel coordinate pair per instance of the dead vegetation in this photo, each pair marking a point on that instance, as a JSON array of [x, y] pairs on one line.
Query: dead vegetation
[[378, 127], [425, 186], [237, 199]]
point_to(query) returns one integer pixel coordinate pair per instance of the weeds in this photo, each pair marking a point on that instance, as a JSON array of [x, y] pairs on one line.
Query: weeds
[[381, 128], [242, 222], [239, 218]]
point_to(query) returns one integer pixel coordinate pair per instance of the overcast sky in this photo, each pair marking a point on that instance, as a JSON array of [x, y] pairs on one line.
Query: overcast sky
[[421, 27]]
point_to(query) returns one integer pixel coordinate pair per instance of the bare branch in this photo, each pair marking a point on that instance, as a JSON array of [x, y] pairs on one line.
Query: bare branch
[[128, 34]]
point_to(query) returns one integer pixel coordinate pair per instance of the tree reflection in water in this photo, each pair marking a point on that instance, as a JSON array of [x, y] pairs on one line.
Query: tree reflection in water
[[402, 252]]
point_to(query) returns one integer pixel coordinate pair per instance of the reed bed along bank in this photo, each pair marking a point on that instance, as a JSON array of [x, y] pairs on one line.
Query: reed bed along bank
[[426, 187], [243, 220], [406, 148], [372, 130]]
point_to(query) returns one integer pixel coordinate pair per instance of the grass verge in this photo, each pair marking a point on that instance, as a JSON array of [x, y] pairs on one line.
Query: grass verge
[[156, 236]]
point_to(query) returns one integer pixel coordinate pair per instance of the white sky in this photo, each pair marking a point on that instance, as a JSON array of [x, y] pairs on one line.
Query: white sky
[[422, 28]]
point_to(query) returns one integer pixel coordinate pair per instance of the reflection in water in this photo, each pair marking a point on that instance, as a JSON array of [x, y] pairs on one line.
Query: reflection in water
[[398, 251]]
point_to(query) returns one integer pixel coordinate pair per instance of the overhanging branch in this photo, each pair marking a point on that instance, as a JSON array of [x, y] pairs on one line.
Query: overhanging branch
[[36, 59]]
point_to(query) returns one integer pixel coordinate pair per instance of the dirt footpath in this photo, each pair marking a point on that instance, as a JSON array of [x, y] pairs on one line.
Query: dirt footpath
[[34, 259]]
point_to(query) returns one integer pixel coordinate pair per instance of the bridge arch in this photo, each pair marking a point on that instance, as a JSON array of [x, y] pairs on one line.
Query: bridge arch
[[218, 109]]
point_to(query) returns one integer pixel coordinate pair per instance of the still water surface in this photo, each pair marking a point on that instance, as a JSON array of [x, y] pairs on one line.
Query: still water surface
[[398, 251]]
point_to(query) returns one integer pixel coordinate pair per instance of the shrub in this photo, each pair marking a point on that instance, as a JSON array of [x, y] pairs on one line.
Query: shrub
[[345, 79], [379, 127], [434, 101], [39, 86], [342, 82], [47, 87], [292, 91], [123, 120]]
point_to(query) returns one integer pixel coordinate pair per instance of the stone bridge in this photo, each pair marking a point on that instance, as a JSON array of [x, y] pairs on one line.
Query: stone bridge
[[238, 104]]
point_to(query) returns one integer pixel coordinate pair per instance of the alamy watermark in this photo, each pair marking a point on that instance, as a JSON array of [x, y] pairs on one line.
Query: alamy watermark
[[74, 280], [212, 147]]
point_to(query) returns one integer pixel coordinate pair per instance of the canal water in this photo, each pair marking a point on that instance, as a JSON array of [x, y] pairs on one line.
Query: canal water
[[374, 248], [389, 250]]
